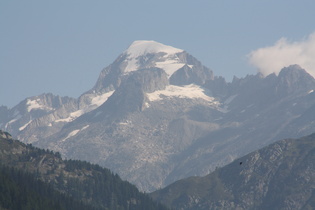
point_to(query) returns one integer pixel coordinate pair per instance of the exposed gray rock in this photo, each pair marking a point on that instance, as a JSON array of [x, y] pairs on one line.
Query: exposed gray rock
[[293, 80], [137, 122], [156, 143], [192, 72], [279, 176]]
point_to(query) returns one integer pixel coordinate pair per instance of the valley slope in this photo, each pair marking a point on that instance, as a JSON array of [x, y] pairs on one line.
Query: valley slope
[[279, 176], [157, 115], [33, 178]]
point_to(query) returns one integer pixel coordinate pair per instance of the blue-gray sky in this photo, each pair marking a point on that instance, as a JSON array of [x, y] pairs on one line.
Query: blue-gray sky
[[61, 46]]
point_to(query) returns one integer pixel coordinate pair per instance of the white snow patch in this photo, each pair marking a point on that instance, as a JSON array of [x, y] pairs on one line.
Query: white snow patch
[[170, 66], [100, 99], [142, 47], [189, 91], [75, 132], [72, 133], [147, 105], [24, 126], [8, 123], [127, 122], [72, 116], [132, 65], [170, 63], [76, 113], [68, 119], [85, 127], [96, 101], [12, 121], [35, 104]]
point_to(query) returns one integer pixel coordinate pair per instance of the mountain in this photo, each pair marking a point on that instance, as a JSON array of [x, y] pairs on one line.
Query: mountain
[[279, 176], [157, 115], [40, 179], [35, 115], [179, 66]]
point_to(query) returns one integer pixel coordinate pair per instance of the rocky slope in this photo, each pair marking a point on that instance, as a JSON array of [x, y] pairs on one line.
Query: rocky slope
[[40, 116], [279, 176], [156, 115], [155, 136]]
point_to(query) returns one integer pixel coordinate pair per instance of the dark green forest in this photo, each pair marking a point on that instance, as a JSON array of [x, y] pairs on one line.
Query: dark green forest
[[20, 190], [105, 189], [34, 178]]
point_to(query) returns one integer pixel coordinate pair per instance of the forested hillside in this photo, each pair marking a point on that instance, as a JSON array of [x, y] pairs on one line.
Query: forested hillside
[[21, 190], [81, 181]]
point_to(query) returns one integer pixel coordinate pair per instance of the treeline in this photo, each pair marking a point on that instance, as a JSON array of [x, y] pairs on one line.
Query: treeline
[[71, 182], [21, 191], [106, 189]]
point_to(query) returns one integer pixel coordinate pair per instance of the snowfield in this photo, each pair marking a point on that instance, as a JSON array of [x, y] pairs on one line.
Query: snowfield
[[191, 91], [169, 62]]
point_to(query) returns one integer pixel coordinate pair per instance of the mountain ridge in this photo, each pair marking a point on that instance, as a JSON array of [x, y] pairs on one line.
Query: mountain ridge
[[154, 128], [278, 176]]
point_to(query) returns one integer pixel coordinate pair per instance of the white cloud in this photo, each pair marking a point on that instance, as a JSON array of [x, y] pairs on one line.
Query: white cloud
[[284, 53]]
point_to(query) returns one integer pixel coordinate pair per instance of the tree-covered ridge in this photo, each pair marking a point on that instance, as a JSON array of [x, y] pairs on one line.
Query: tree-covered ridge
[[80, 180], [22, 191]]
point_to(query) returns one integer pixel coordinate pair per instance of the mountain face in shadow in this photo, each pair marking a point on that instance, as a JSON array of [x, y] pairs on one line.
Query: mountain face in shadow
[[279, 176]]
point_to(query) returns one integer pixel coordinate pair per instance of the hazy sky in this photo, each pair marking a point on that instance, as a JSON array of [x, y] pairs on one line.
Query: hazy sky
[[62, 46]]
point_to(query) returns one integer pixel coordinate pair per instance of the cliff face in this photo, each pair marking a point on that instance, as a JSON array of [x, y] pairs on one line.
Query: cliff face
[[157, 115], [279, 176]]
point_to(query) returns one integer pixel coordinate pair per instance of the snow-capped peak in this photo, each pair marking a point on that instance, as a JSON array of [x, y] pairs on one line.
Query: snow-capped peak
[[139, 49], [143, 47]]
